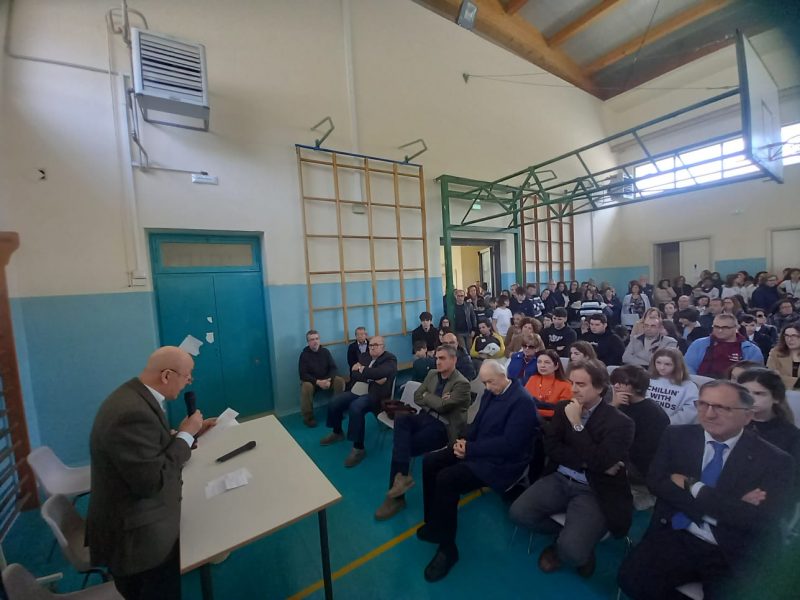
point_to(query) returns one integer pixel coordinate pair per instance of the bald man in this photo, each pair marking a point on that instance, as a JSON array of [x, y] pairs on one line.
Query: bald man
[[134, 507], [372, 384]]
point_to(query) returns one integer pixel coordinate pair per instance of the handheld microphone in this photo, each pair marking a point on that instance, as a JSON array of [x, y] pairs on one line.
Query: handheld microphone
[[244, 448], [190, 398]]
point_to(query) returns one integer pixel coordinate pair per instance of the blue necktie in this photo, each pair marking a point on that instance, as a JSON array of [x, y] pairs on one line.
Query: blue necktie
[[709, 477]]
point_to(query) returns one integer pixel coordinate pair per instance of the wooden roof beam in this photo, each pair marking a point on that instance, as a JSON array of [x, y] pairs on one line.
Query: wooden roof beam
[[513, 6], [517, 35], [582, 22], [703, 9]]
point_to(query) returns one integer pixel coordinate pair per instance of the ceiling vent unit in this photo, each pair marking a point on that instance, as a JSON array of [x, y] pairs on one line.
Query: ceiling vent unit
[[621, 186], [169, 78]]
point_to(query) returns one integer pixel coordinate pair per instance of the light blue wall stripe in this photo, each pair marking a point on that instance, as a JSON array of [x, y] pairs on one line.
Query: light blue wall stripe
[[731, 265], [21, 343], [80, 348]]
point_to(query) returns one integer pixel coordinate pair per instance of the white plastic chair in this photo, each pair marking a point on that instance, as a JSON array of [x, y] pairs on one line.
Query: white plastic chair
[[57, 478], [610, 368], [699, 380], [21, 585], [564, 363], [476, 387], [692, 590], [69, 529], [473, 409]]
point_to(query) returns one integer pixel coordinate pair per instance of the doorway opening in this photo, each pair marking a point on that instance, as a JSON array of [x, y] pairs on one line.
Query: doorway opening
[[686, 257], [474, 261]]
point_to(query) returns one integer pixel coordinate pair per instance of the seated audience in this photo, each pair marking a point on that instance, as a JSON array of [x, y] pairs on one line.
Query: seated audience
[[791, 286], [487, 343], [671, 388], [613, 307], [607, 345], [705, 289], [734, 286], [523, 363], [358, 350], [689, 320], [762, 324], [587, 442], [549, 385], [663, 294], [558, 336], [629, 384], [670, 312], [761, 338], [426, 333], [714, 308], [378, 376], [784, 315], [317, 372], [464, 364], [513, 341], [444, 393], [732, 306], [634, 305], [772, 416], [646, 287], [711, 356], [766, 295], [785, 357], [681, 287], [579, 352], [495, 451], [642, 345], [671, 330], [421, 364], [547, 320], [521, 303], [444, 323], [514, 328], [684, 302], [721, 493], [736, 369], [532, 293]]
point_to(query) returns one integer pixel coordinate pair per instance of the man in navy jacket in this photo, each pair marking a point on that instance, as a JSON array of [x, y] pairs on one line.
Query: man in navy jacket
[[497, 448], [713, 523]]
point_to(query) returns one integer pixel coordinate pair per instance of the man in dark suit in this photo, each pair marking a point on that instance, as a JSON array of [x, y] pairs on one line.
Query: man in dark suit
[[497, 448], [587, 443], [721, 493], [372, 384], [134, 507], [444, 397]]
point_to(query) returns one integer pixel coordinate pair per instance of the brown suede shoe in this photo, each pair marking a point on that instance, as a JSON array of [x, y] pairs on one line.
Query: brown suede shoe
[[331, 438], [356, 456], [402, 483], [548, 560], [389, 508]]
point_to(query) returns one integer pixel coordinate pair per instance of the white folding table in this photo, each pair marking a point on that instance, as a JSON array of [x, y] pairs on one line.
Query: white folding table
[[286, 486]]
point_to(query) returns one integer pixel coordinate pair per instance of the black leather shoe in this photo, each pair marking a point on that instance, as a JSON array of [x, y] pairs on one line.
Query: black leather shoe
[[440, 565], [425, 534], [587, 570]]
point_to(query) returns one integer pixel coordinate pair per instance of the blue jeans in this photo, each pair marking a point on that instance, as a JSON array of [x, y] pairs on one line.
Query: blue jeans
[[357, 408]]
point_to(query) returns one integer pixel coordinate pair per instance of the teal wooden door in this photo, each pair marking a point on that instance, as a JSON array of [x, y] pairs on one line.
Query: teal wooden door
[[210, 287]]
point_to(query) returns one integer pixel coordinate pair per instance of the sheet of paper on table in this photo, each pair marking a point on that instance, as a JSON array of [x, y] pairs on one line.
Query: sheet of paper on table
[[226, 419], [229, 481]]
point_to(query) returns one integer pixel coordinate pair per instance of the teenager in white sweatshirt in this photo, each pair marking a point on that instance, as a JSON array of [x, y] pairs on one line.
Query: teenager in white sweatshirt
[[671, 388]]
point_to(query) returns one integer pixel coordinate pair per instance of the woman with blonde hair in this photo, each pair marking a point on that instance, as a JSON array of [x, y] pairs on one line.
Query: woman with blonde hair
[[670, 386]]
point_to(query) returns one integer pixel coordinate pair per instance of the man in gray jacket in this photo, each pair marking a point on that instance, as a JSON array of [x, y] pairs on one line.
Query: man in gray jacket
[[444, 397], [135, 503], [641, 347]]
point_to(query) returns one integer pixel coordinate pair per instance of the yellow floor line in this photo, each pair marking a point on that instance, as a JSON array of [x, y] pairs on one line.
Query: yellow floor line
[[375, 552]]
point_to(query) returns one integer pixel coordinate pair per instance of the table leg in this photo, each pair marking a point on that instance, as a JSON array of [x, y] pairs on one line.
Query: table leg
[[326, 558], [206, 583]]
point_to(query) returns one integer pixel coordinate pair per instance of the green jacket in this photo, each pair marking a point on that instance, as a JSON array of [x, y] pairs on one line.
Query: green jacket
[[452, 404]]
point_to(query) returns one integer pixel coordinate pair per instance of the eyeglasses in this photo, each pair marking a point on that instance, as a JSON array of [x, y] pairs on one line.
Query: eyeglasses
[[375, 345], [530, 347], [187, 376], [791, 335], [703, 406]]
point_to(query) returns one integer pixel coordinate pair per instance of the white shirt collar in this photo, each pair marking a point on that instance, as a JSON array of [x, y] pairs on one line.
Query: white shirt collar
[[159, 397], [730, 443]]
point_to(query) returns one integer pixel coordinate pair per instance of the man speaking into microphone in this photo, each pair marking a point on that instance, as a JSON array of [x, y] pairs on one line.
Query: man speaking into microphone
[[134, 507]]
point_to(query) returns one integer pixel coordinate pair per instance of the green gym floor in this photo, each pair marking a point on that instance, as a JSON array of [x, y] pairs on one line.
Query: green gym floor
[[370, 560]]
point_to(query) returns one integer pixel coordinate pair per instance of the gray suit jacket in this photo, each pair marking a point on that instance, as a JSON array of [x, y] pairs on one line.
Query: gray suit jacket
[[454, 408], [135, 502]]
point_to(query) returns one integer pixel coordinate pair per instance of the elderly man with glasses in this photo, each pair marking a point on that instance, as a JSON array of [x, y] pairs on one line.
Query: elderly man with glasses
[[721, 491], [711, 356], [372, 384]]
